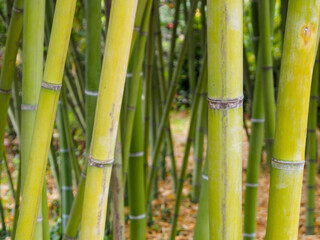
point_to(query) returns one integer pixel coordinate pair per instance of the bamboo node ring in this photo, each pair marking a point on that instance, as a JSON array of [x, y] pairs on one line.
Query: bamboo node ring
[[129, 75], [66, 188], [132, 108], [91, 93], [17, 10], [138, 217], [249, 235], [66, 237], [265, 68], [83, 175], [205, 177], [287, 165], [65, 216], [252, 185], [64, 150], [51, 86], [220, 104], [312, 160], [5, 91], [28, 107], [98, 163], [40, 219], [257, 120], [311, 130], [136, 154]]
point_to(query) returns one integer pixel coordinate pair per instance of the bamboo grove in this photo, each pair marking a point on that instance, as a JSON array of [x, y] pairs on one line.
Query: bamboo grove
[[88, 94]]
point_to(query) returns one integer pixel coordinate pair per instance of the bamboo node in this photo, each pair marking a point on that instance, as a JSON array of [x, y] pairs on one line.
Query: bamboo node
[[265, 68], [252, 185], [132, 108], [311, 130], [143, 33], [28, 107], [40, 219], [66, 237], [98, 163], [5, 91], [17, 10], [287, 165], [205, 177], [65, 216], [91, 93], [83, 175], [257, 120], [312, 160], [136, 154], [66, 188], [316, 98], [249, 235], [51, 86], [136, 28], [255, 38], [138, 217], [310, 209], [64, 150], [220, 104], [198, 159], [311, 186]]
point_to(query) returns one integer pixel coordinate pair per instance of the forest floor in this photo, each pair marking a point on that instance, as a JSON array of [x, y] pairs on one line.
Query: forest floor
[[163, 206]]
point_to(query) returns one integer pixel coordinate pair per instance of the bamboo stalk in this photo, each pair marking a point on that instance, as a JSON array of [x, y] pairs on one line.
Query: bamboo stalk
[[254, 156], [8, 64], [47, 105], [106, 118], [201, 130], [225, 98], [200, 89], [170, 96], [136, 179], [117, 193], [312, 149], [291, 123], [267, 76], [201, 231], [33, 37]]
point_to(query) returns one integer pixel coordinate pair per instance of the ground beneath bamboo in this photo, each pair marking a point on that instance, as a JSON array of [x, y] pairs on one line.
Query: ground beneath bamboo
[[163, 206]]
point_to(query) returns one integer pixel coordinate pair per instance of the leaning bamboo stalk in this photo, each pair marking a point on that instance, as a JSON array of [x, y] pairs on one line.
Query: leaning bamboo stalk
[[134, 83], [201, 231], [9, 63], [33, 37], [225, 98], [170, 96], [47, 106], [291, 123], [312, 149], [201, 130], [65, 165], [267, 76], [200, 89], [117, 193], [105, 128], [92, 75]]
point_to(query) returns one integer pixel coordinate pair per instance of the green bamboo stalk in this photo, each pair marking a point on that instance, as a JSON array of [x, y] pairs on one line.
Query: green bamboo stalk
[[54, 167], [170, 96], [298, 57], [45, 215], [8, 64], [106, 122], [117, 193], [225, 118], [201, 130], [136, 180], [47, 106], [9, 176], [65, 165], [16, 203], [254, 156], [163, 89], [200, 89], [33, 38], [134, 83], [172, 53], [92, 74], [312, 149], [255, 27], [267, 76], [201, 231], [3, 223]]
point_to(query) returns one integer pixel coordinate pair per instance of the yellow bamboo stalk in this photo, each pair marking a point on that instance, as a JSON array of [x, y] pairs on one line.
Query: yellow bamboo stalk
[[291, 123], [45, 116], [225, 98], [106, 121]]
